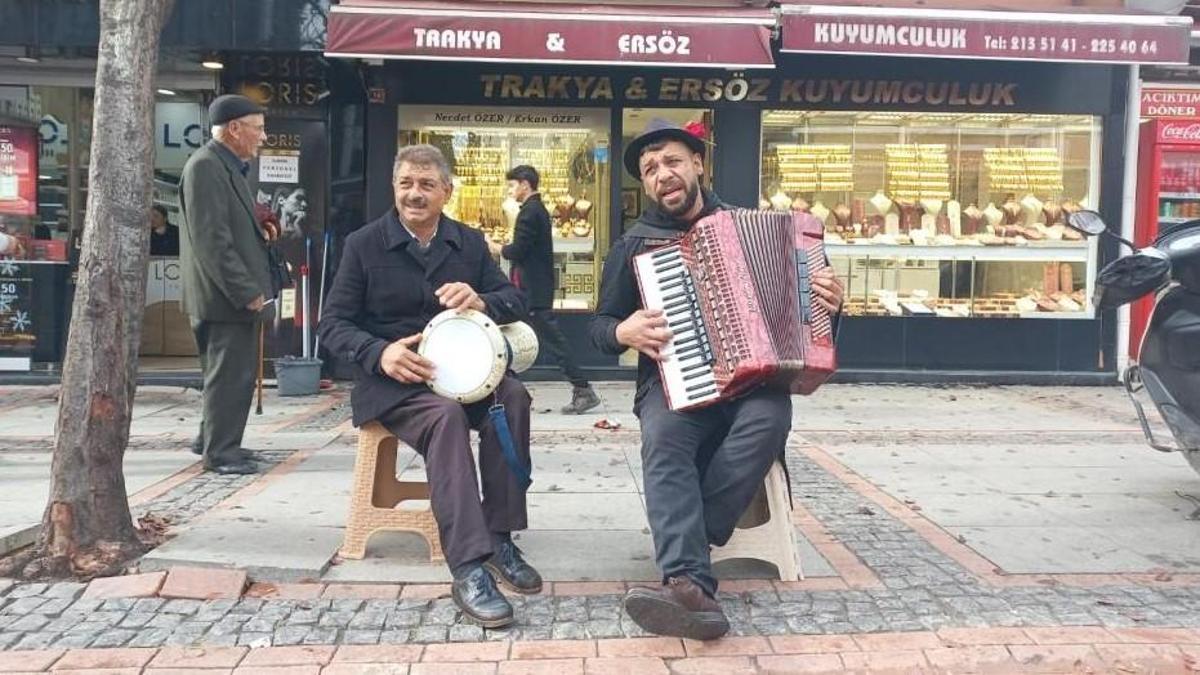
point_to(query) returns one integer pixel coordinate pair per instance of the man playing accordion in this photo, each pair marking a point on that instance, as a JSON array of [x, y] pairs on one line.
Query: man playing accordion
[[701, 468]]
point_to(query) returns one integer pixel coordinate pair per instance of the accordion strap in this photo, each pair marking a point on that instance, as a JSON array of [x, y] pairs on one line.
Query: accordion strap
[[647, 231]]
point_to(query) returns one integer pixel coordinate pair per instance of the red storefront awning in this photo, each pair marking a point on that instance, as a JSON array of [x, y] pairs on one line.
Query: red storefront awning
[[528, 32], [982, 34]]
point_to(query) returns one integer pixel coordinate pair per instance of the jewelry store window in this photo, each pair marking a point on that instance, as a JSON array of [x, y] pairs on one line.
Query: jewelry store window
[[943, 214], [570, 150]]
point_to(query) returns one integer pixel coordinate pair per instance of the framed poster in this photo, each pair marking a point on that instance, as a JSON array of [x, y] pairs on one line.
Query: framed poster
[[18, 170]]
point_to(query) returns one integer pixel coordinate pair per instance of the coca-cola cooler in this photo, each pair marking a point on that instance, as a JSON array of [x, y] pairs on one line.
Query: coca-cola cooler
[[1168, 192]]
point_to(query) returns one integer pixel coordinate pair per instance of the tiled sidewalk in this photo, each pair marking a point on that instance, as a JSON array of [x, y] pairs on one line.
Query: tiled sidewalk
[[948, 651]]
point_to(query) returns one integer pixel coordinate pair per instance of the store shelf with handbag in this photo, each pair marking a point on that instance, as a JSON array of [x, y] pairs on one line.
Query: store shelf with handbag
[[943, 214]]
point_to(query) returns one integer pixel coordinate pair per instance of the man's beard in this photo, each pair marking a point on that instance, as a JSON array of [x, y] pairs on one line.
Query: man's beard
[[690, 196]]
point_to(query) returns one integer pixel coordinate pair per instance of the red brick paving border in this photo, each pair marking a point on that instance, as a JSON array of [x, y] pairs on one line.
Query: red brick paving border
[[203, 583], [129, 586], [1008, 650]]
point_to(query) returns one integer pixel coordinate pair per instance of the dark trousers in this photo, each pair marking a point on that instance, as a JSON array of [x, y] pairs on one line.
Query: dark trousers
[[229, 364], [701, 471], [440, 430], [551, 338]]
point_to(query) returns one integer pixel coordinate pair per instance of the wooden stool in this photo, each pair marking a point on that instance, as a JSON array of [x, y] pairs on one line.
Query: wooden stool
[[765, 531], [377, 492]]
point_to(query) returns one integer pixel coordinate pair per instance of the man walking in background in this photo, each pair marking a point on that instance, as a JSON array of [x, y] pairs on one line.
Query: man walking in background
[[226, 278], [532, 255]]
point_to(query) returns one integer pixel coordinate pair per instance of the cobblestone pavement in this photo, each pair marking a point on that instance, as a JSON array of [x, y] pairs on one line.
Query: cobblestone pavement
[[910, 605], [204, 491], [922, 589]]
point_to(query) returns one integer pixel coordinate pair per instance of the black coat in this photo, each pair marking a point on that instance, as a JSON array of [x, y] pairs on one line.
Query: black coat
[[532, 253], [383, 291]]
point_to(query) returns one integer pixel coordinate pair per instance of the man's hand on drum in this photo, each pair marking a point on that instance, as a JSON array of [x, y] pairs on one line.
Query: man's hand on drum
[[829, 290], [400, 361], [457, 295], [646, 331]]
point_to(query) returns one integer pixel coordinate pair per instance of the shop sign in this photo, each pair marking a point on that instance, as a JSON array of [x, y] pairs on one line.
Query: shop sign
[[179, 131], [281, 80], [718, 41], [18, 170], [1179, 132], [434, 116], [17, 334], [998, 35], [1159, 102], [54, 136], [819, 91]]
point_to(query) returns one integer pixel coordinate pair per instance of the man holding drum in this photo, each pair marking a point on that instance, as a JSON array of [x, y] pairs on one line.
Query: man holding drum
[[396, 274]]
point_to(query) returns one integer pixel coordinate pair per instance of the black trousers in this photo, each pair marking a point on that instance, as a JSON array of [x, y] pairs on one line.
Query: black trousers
[[701, 471], [440, 430], [551, 338], [229, 364]]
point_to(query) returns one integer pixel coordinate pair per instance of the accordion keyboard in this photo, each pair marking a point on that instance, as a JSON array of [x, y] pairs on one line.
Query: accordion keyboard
[[687, 366]]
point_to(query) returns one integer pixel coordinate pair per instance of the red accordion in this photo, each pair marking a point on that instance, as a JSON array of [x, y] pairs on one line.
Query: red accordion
[[736, 291]]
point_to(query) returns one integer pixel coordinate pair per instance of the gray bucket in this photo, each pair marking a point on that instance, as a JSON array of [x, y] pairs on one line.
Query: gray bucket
[[298, 376]]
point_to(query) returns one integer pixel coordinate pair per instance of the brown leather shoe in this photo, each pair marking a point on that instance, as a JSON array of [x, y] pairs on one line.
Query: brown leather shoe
[[679, 608]]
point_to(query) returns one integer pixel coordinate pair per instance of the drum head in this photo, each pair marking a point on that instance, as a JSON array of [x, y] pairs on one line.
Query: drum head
[[468, 354]]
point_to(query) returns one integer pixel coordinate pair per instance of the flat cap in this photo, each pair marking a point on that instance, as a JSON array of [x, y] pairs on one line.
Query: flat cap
[[230, 107]]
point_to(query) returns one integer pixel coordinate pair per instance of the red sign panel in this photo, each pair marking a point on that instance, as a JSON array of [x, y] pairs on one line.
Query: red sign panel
[[636, 38], [1170, 102], [991, 35], [18, 170], [1179, 132]]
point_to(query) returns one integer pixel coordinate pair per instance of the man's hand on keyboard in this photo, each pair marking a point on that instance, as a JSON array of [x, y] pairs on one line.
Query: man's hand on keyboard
[[646, 331], [828, 289]]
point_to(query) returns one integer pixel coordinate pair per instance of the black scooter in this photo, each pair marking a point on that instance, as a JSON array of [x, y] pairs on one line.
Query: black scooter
[[1169, 365]]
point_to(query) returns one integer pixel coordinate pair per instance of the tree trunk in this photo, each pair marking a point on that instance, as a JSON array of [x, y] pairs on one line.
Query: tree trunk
[[87, 525]]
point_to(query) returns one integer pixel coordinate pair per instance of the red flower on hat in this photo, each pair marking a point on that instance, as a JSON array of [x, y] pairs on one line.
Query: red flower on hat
[[697, 129]]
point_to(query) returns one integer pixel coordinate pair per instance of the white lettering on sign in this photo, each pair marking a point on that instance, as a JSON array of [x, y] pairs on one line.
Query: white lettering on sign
[[866, 34], [1171, 102], [663, 43], [479, 40], [279, 168], [1181, 132]]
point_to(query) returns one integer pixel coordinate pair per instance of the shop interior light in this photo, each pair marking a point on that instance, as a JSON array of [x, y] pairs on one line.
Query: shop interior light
[[31, 55], [166, 92], [212, 62]]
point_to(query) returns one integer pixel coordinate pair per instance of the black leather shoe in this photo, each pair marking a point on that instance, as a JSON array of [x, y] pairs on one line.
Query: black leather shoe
[[198, 445], [477, 596], [510, 569], [242, 467]]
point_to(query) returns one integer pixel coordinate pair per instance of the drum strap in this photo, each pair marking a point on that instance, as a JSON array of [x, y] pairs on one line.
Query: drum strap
[[507, 449]]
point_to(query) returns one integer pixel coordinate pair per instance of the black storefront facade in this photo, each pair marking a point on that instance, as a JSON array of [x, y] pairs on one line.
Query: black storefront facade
[[736, 106], [270, 50]]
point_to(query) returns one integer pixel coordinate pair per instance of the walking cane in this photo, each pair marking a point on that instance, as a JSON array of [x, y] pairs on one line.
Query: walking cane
[[262, 329]]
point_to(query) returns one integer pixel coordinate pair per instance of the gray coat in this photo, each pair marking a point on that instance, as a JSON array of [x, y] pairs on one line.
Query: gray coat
[[222, 250]]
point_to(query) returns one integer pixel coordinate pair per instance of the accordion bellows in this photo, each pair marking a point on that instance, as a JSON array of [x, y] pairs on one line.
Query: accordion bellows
[[736, 291]]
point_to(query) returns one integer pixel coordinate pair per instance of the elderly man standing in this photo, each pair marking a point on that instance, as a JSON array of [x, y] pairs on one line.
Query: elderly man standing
[[396, 274], [226, 278]]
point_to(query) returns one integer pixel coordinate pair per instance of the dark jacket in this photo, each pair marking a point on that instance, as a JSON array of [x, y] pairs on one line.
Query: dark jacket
[[532, 253], [222, 250], [166, 243], [383, 291], [619, 294]]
